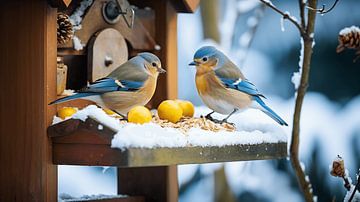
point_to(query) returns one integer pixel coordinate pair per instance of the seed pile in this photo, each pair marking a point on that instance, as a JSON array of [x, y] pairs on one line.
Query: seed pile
[[186, 123]]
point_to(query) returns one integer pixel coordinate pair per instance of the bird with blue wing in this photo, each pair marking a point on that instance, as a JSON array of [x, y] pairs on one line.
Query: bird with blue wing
[[131, 84], [223, 88]]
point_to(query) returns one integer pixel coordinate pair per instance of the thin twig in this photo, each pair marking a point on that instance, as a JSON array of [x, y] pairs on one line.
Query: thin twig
[[302, 13], [259, 12], [285, 15], [356, 187], [322, 9], [347, 184]]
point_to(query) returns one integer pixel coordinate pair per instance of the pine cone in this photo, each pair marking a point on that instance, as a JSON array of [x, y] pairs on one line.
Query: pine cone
[[338, 168], [64, 28], [349, 37]]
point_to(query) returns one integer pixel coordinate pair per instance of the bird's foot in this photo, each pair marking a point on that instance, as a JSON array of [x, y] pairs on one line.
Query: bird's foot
[[123, 117], [209, 117], [225, 121]]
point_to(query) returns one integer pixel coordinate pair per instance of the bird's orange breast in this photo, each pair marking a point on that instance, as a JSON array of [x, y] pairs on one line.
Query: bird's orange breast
[[201, 83]]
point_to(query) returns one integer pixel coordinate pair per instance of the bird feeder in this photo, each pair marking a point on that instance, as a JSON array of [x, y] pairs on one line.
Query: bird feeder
[[109, 32]]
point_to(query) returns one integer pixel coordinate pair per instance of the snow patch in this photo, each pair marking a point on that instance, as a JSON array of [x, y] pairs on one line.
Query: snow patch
[[77, 43], [296, 77], [253, 127], [76, 19], [348, 195], [348, 30], [63, 197]]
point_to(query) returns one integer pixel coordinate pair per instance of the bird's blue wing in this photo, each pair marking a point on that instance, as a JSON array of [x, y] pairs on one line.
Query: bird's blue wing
[[244, 86], [108, 85]]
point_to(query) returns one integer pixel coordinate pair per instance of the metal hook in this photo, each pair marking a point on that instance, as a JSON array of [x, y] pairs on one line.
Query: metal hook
[[112, 10], [322, 9]]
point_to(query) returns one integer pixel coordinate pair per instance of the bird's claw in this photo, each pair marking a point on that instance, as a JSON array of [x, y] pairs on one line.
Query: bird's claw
[[225, 121], [209, 117], [123, 117]]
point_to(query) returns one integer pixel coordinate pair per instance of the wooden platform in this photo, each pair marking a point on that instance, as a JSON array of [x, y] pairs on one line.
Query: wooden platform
[[81, 143]]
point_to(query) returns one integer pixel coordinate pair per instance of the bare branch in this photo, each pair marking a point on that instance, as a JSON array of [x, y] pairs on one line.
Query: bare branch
[[322, 9], [259, 12], [306, 30], [356, 187], [302, 13], [295, 135], [285, 15]]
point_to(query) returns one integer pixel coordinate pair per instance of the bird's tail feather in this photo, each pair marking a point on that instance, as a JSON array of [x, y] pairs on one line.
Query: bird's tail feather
[[72, 97], [264, 108]]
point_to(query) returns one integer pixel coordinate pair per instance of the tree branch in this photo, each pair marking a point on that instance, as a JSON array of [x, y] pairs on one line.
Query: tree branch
[[306, 30], [295, 140], [355, 188], [285, 15], [302, 13]]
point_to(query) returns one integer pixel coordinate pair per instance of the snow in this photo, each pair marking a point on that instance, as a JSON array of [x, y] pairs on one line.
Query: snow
[[282, 19], [157, 47], [77, 43], [348, 30], [296, 77], [282, 24], [348, 195], [68, 92], [75, 20], [302, 165], [56, 120], [253, 127], [68, 198], [269, 2], [76, 17]]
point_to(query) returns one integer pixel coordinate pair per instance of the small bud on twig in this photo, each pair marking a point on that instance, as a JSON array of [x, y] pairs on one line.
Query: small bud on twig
[[338, 168]]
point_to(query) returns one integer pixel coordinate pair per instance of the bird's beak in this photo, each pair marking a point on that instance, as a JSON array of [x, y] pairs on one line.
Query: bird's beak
[[193, 63], [161, 70]]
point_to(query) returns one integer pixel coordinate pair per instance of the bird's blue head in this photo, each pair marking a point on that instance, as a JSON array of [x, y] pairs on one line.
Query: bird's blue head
[[207, 56]]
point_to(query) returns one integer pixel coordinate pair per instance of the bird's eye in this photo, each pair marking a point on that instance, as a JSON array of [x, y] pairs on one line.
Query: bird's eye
[[153, 64], [204, 59]]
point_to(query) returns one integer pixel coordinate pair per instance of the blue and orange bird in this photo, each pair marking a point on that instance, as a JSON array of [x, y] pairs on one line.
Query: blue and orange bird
[[131, 84], [223, 88]]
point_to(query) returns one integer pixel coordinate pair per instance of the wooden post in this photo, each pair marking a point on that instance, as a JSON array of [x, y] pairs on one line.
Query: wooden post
[[27, 83], [158, 183]]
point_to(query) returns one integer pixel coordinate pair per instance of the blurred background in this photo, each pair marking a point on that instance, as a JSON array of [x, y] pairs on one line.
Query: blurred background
[[267, 50]]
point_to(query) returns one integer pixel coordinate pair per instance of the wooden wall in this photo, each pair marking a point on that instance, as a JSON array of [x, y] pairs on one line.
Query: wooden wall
[[27, 62]]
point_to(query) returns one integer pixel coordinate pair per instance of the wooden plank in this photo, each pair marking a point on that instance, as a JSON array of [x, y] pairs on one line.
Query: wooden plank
[[27, 60], [103, 155], [186, 6], [49, 88], [166, 37], [151, 182], [60, 3]]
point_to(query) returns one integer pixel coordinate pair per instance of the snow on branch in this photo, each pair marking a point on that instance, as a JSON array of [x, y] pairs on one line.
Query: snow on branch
[[286, 15]]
